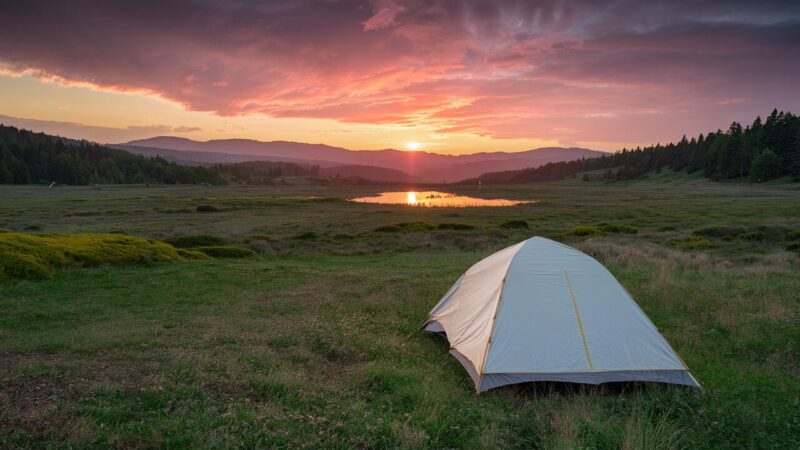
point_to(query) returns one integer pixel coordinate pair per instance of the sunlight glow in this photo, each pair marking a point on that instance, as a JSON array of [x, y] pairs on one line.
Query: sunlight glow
[[413, 145], [436, 199]]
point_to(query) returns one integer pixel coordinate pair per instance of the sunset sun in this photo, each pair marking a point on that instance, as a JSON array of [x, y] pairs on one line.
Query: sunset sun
[[413, 145]]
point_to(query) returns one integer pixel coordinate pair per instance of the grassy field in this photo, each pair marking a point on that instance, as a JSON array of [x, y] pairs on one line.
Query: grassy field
[[313, 342]]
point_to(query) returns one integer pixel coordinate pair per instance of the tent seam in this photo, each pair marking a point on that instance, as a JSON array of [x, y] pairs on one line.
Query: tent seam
[[494, 317], [580, 322]]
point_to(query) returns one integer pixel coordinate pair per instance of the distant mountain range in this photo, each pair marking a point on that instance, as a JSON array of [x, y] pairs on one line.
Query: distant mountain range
[[377, 165]]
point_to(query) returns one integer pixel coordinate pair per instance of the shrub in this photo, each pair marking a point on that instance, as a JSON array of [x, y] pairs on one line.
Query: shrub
[[306, 235], [515, 223], [586, 230], [690, 243], [194, 240], [17, 265], [225, 251], [793, 235], [720, 232], [794, 246], [186, 253], [33, 228], [752, 236], [619, 228], [667, 228], [455, 226], [32, 256], [206, 208]]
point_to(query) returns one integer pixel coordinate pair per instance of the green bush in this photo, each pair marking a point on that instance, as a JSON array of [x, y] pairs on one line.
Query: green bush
[[794, 246], [618, 228], [194, 240], [667, 228], [586, 230], [720, 232], [225, 251], [793, 235], [752, 236], [514, 223], [206, 208], [186, 253], [455, 226], [33, 256], [690, 243]]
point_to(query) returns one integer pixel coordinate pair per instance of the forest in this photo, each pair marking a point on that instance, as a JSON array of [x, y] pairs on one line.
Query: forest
[[27, 157], [758, 152]]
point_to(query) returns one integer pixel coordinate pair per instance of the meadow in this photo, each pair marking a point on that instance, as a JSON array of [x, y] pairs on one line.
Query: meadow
[[310, 338]]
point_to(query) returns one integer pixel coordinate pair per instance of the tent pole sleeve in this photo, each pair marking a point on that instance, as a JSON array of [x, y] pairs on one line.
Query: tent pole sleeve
[[580, 323]]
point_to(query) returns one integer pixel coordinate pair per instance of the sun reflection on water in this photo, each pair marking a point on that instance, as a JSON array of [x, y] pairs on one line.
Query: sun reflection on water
[[435, 199]]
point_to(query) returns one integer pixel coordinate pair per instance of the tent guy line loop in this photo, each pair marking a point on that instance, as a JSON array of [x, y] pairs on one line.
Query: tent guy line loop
[[580, 323]]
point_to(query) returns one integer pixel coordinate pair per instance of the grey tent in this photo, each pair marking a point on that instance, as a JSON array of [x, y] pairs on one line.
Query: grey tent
[[542, 311]]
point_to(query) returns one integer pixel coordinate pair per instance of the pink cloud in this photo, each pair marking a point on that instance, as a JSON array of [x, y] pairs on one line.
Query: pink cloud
[[579, 70]]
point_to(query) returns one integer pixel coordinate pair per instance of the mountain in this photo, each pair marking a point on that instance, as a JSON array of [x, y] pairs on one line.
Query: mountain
[[424, 166], [328, 169], [372, 173]]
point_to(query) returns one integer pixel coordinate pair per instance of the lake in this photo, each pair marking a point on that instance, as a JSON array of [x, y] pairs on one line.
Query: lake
[[435, 199]]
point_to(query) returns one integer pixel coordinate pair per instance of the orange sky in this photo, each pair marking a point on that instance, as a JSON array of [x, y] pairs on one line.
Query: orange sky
[[110, 116]]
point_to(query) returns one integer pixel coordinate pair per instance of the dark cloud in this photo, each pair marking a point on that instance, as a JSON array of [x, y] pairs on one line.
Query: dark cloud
[[500, 68]]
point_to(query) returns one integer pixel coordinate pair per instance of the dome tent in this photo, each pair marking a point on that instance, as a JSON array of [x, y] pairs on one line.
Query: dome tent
[[542, 311]]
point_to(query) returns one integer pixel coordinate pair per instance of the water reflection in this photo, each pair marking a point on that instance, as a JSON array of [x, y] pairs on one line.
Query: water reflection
[[434, 199]]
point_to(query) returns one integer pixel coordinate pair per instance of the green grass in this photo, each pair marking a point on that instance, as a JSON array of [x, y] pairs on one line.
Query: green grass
[[225, 251], [314, 342], [34, 256]]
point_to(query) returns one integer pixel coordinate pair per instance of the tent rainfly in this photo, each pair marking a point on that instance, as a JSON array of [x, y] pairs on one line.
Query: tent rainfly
[[542, 311]]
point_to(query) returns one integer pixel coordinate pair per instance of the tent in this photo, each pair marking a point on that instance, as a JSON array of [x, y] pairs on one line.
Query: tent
[[542, 311]]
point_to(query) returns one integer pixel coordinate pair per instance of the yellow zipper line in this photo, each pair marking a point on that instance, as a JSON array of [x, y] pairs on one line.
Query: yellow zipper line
[[580, 323]]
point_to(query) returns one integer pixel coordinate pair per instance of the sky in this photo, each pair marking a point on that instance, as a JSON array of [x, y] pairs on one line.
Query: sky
[[453, 76]]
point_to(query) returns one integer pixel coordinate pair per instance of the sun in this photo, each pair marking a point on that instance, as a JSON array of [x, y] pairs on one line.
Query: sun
[[413, 145]]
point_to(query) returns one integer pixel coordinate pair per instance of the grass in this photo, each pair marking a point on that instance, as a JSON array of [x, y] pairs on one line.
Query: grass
[[314, 342], [34, 256], [225, 251], [194, 240]]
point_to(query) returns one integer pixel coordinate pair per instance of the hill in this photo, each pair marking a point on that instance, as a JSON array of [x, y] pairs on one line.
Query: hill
[[373, 173], [27, 157], [758, 152], [424, 166]]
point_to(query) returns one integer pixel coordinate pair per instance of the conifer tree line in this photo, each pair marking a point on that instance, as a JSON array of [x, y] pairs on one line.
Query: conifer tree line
[[761, 151], [28, 157]]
